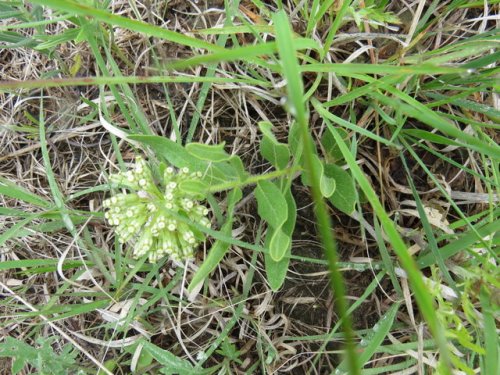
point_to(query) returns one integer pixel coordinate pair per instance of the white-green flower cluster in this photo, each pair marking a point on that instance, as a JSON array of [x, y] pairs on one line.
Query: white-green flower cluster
[[144, 215]]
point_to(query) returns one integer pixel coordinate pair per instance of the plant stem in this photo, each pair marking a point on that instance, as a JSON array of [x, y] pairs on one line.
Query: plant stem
[[253, 179]]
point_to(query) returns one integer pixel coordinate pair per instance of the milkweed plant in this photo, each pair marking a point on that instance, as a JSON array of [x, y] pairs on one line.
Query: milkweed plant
[[147, 215], [162, 214]]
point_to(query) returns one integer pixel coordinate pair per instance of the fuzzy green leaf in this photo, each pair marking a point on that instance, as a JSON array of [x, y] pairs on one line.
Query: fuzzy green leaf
[[318, 166], [222, 173], [273, 151], [332, 151], [279, 244], [327, 184], [172, 363], [196, 188], [214, 153], [42, 357], [276, 271], [272, 206], [238, 167], [171, 151], [344, 197], [219, 248]]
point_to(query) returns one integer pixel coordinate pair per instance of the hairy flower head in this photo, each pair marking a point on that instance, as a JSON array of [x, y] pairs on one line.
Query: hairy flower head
[[146, 216]]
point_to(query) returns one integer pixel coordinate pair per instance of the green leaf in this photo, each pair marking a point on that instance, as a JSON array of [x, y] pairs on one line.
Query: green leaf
[[41, 357], [171, 151], [276, 271], [279, 245], [332, 151], [219, 248], [327, 185], [318, 167], [238, 166], [225, 171], [109, 365], [273, 151], [213, 153], [178, 156], [20, 352], [145, 359], [195, 188], [17, 365], [272, 206], [344, 197], [172, 363], [289, 225], [229, 351], [295, 142]]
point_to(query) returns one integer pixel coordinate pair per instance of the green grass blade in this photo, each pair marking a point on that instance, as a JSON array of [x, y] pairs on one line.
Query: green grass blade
[[419, 111], [91, 81], [202, 96], [81, 9], [424, 300], [12, 190], [371, 342], [295, 89], [428, 230], [386, 259], [340, 121], [248, 53], [463, 242], [337, 22], [14, 230], [404, 70], [37, 264], [491, 343]]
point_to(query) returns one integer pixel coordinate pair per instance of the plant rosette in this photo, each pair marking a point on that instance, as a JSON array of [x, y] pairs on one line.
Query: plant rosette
[[146, 215]]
